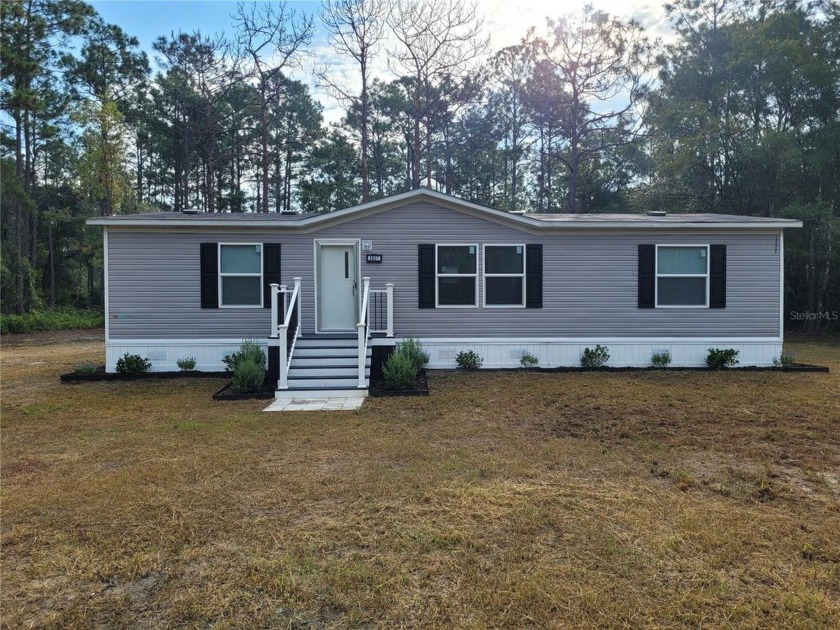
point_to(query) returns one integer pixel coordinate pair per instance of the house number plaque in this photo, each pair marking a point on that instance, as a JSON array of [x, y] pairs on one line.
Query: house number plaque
[[374, 258]]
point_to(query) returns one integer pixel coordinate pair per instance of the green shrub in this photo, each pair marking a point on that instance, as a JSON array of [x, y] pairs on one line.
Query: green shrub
[[400, 370], [784, 359], [52, 319], [594, 358], [186, 365], [413, 349], [85, 368], [661, 359], [468, 360], [248, 377], [528, 360], [249, 351], [720, 358], [133, 364]]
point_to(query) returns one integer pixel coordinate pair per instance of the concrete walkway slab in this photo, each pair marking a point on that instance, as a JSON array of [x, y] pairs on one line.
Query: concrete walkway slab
[[316, 404]]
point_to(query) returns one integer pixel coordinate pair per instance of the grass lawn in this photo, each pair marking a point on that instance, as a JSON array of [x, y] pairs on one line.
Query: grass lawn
[[627, 500]]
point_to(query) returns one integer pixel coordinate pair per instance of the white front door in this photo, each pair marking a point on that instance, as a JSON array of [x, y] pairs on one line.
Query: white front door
[[337, 287]]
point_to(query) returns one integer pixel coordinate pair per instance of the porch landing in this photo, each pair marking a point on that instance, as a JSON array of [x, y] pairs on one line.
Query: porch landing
[[316, 404]]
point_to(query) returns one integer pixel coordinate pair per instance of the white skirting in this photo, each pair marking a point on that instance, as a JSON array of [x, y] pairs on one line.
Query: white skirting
[[496, 353], [624, 352], [163, 353]]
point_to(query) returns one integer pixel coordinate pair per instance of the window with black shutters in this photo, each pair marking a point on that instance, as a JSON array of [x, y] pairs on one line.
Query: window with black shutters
[[457, 275], [682, 276], [240, 275]]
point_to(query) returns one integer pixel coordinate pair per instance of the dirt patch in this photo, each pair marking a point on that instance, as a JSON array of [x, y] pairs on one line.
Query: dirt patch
[[138, 591]]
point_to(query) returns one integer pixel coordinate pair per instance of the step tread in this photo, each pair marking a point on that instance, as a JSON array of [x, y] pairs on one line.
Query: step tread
[[320, 339], [327, 356], [348, 366], [334, 348], [307, 388], [322, 381]]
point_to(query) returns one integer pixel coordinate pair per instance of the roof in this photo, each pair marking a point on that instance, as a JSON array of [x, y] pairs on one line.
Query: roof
[[532, 221]]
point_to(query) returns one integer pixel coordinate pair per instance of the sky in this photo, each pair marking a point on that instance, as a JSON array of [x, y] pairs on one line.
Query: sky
[[507, 22]]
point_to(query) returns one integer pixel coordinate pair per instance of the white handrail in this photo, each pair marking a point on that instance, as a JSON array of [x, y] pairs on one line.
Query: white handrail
[[289, 307], [362, 331]]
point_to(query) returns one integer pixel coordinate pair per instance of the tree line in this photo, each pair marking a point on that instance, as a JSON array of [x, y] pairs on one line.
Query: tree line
[[739, 113]]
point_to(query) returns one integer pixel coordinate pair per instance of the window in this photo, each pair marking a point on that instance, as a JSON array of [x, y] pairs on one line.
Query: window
[[682, 275], [240, 275], [504, 275], [456, 275]]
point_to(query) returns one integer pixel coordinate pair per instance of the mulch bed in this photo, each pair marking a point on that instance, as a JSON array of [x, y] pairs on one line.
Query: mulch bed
[[380, 389], [793, 367], [101, 375], [228, 393]]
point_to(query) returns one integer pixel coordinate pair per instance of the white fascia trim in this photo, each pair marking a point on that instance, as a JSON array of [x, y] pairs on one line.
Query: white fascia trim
[[182, 341], [682, 225], [529, 225], [391, 340], [603, 340]]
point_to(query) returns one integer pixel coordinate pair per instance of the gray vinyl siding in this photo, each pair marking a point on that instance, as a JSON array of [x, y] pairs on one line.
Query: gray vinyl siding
[[589, 281]]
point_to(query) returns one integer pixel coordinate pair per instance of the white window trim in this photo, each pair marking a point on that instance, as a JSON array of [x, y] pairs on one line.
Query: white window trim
[[486, 275], [456, 275], [706, 275], [240, 275]]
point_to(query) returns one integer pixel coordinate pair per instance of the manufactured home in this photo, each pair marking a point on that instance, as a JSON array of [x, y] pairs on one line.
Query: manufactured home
[[328, 293]]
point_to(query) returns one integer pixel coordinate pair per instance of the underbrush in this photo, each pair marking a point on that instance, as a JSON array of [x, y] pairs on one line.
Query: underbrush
[[53, 319]]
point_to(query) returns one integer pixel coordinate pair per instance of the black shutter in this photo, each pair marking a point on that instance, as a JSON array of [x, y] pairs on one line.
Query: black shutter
[[647, 276], [271, 270], [533, 276], [209, 275], [717, 276], [426, 277]]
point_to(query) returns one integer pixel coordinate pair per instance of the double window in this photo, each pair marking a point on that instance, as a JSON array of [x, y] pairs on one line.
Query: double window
[[240, 275], [456, 275], [682, 276]]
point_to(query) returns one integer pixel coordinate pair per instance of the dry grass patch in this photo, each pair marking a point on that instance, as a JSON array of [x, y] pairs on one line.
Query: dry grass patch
[[537, 500]]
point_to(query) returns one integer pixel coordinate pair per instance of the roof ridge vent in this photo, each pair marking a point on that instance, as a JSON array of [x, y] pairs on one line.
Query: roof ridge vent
[[657, 213], [289, 213], [191, 211]]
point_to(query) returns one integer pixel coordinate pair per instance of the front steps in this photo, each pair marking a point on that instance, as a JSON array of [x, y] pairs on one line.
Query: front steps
[[325, 366]]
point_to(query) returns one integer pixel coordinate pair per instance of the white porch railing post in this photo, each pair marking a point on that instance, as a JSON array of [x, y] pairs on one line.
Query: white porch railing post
[[283, 350], [275, 289], [389, 301], [362, 332]]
